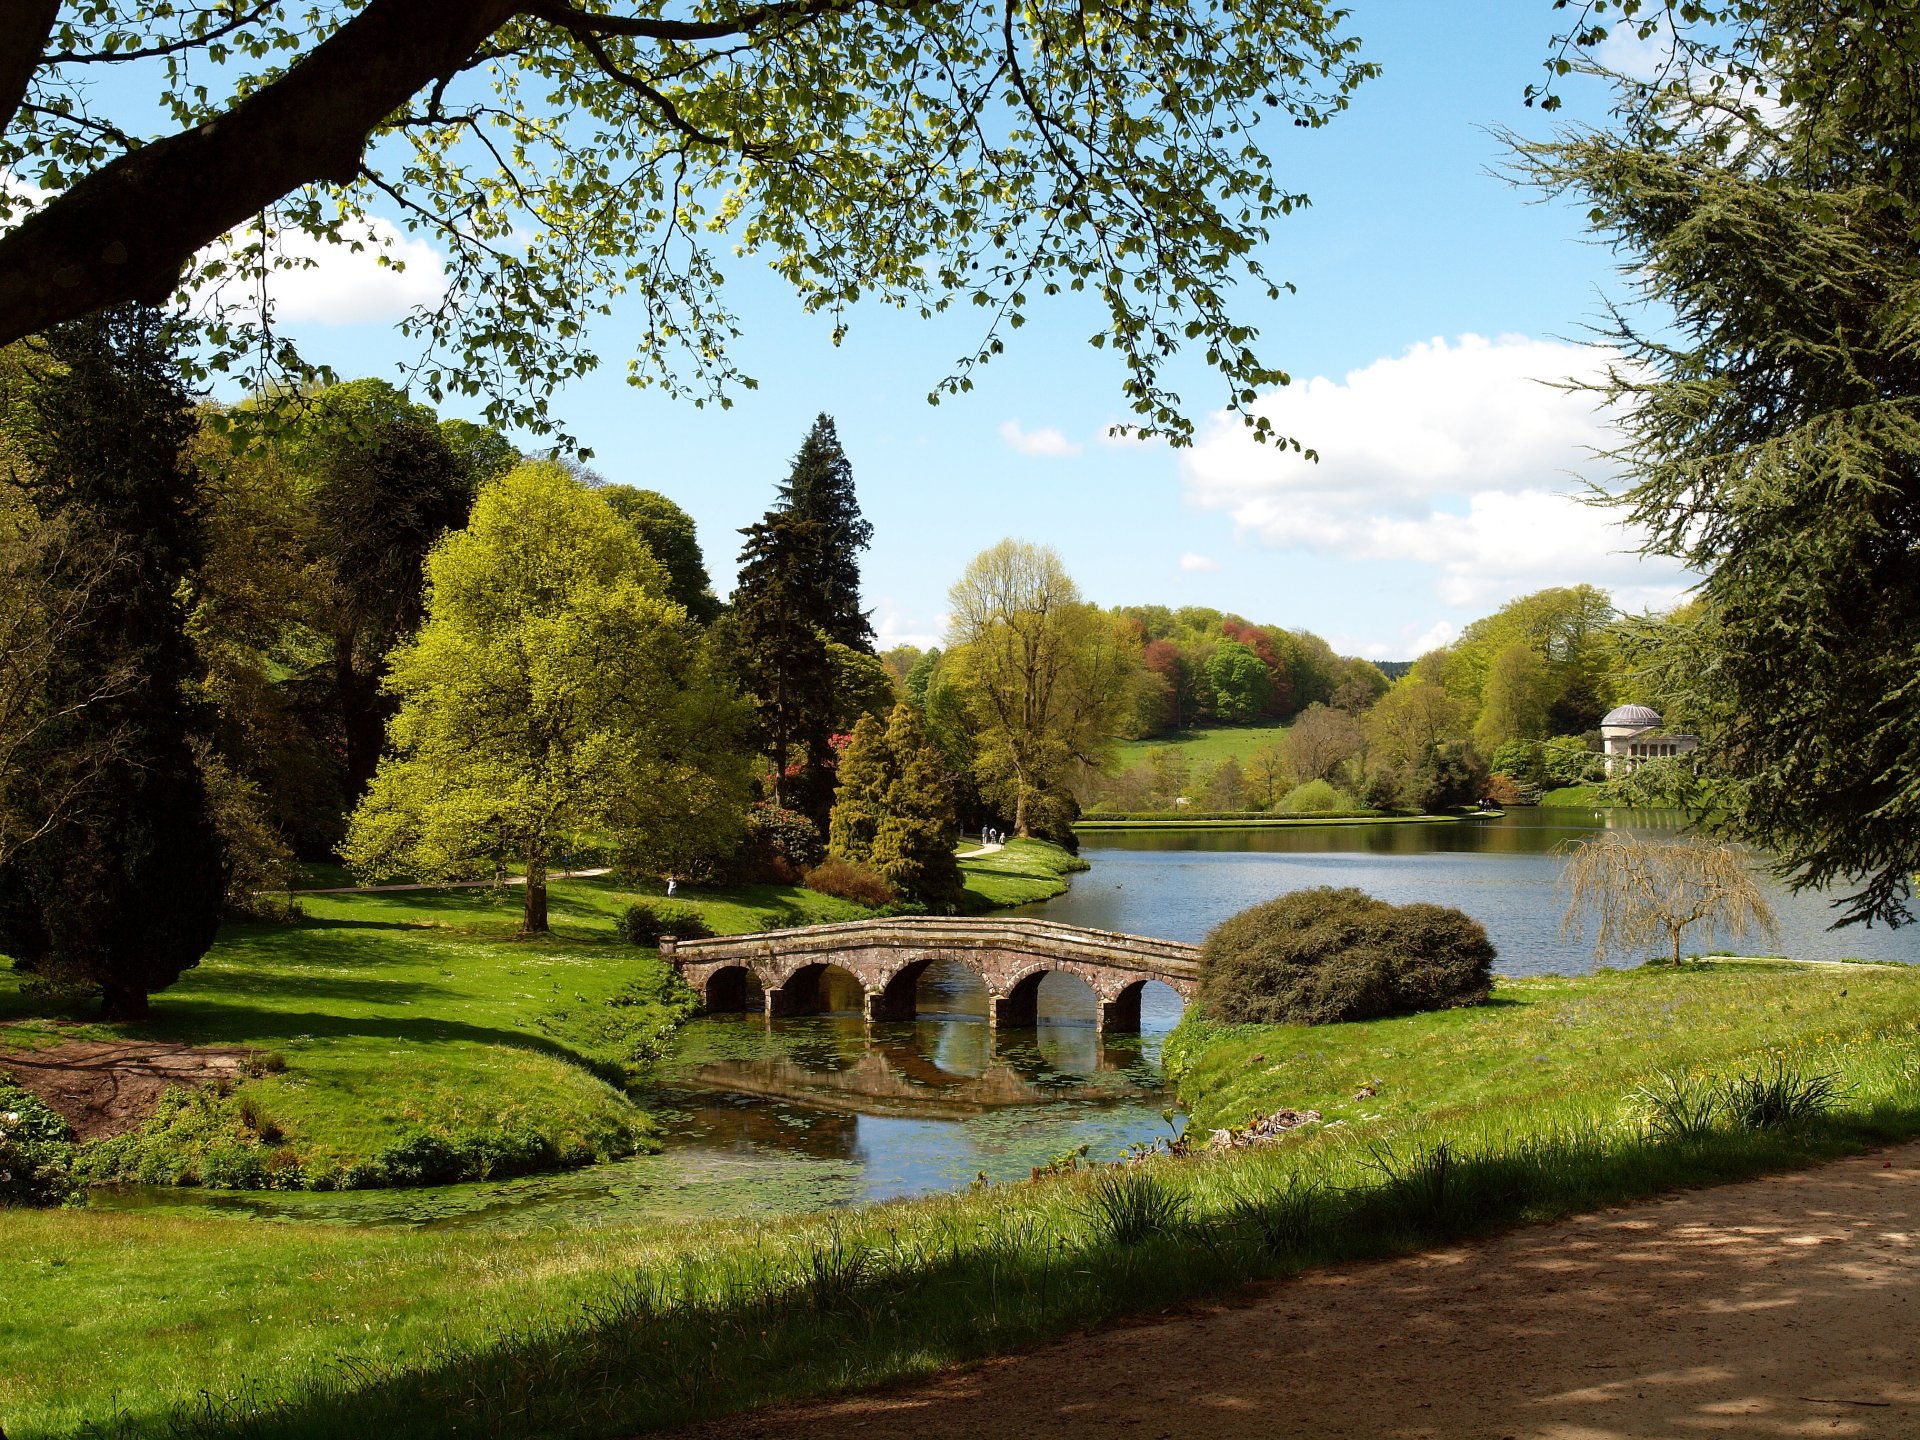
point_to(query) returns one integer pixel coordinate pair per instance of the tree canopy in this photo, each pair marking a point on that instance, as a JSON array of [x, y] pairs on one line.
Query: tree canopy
[[1043, 678], [565, 156], [553, 689]]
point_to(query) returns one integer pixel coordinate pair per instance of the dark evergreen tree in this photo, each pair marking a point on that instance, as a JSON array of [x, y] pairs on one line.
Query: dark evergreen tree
[[781, 659], [125, 892], [820, 489]]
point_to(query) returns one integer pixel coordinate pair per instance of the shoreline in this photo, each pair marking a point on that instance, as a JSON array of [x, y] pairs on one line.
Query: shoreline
[[1287, 822]]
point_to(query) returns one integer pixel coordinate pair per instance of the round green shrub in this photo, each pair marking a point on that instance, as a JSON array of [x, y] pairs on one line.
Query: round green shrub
[[645, 921], [1314, 798], [1319, 956]]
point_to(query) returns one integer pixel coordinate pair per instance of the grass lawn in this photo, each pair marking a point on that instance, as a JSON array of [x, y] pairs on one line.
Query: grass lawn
[[1577, 797], [1516, 1111], [1547, 1043], [420, 1034], [1205, 747], [1020, 873]]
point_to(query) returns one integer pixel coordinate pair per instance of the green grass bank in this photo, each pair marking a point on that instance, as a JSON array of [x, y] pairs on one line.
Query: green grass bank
[[1019, 873], [414, 1037], [1272, 822], [1521, 1110]]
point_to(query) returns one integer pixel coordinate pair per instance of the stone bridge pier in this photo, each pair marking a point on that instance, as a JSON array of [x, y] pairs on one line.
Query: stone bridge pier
[[784, 970]]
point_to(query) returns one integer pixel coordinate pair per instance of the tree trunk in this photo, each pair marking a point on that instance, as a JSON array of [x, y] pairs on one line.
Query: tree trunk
[[1020, 812], [533, 915], [120, 1001]]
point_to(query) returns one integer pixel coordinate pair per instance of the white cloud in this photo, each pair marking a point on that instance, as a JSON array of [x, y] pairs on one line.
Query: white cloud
[[1193, 562], [1432, 638], [337, 284], [1460, 457], [1044, 441], [1625, 53], [892, 626]]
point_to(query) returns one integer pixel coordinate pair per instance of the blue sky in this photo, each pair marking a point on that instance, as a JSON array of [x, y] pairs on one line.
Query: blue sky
[[1432, 300]]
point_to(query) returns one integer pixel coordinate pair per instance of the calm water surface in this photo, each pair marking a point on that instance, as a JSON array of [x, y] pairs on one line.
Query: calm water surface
[[766, 1117], [773, 1117], [1180, 884]]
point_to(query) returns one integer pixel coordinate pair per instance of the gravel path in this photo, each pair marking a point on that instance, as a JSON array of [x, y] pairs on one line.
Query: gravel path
[[1782, 1307]]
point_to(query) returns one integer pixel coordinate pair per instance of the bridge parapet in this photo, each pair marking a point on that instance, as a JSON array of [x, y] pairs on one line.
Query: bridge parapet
[[887, 955]]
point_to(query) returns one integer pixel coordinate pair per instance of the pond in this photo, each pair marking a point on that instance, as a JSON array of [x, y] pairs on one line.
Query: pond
[[780, 1116], [777, 1116]]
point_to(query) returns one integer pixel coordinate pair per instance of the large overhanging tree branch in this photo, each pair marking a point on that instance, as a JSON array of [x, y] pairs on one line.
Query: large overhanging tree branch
[[574, 161]]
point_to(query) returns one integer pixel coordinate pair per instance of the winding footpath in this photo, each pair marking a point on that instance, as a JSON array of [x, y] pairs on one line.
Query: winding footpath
[[1782, 1307]]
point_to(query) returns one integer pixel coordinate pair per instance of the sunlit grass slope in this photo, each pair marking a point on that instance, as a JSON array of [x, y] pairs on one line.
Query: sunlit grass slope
[[1517, 1111]]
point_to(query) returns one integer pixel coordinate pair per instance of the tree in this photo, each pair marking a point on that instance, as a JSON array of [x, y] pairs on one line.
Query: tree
[[47, 607], [389, 485], [668, 532], [1270, 775], [1320, 741], [1763, 195], [553, 689], [920, 677], [1044, 677], [893, 811], [1514, 702], [820, 489], [123, 890], [1640, 891], [862, 685], [1225, 788], [563, 154], [782, 658], [1238, 683]]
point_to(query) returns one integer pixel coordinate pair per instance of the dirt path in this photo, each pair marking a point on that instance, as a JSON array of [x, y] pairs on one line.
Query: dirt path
[[1783, 1307], [107, 1087]]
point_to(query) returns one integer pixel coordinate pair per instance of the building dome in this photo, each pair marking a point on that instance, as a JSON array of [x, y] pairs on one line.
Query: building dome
[[1630, 717]]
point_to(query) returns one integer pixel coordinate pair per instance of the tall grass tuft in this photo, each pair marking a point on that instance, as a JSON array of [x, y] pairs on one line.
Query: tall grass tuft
[[1778, 1097], [1679, 1107], [1284, 1219], [1131, 1204]]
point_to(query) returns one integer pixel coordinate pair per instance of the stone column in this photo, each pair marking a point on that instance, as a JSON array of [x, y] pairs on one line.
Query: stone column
[[1018, 1011], [1121, 1015]]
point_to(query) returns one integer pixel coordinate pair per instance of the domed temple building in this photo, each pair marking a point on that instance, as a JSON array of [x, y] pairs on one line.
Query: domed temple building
[[1630, 734]]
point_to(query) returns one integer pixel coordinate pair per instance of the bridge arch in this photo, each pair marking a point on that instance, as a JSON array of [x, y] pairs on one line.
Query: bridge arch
[[888, 957], [731, 988]]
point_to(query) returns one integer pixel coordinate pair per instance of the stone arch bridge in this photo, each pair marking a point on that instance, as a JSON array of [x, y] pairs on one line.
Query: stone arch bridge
[[888, 957]]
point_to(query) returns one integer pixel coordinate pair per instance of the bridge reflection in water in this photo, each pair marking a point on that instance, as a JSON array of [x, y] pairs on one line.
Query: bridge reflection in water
[[742, 1077]]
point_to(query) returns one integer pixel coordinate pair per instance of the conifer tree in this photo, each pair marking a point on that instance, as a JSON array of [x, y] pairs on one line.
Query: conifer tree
[[868, 767], [894, 812], [820, 489], [125, 891], [783, 660], [913, 843]]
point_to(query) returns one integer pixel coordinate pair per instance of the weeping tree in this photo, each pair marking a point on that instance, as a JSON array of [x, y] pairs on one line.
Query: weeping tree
[[1763, 193], [1638, 892]]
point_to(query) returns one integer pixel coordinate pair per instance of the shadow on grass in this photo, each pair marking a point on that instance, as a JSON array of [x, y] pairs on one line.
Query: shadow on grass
[[721, 1327]]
